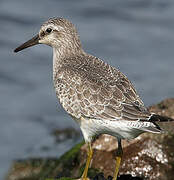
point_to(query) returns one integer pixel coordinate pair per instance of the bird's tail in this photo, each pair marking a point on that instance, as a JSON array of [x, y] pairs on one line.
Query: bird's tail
[[158, 118], [154, 127]]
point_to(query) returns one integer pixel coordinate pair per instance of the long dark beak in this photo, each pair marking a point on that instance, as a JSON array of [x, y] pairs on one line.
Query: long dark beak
[[31, 42]]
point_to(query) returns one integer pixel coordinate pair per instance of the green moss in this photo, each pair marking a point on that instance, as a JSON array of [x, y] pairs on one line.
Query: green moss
[[69, 161], [52, 168], [92, 172], [61, 167], [64, 178], [48, 168], [72, 153]]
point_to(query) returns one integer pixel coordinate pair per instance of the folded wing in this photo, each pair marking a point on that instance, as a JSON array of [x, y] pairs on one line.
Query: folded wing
[[94, 89]]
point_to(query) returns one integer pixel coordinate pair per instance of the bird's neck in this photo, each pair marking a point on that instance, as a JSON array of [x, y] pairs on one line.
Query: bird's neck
[[59, 55]]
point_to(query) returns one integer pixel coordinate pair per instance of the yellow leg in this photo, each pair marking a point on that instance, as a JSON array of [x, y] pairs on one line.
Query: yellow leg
[[118, 159], [90, 153]]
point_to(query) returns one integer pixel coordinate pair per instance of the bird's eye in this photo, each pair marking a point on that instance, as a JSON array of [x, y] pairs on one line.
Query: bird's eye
[[48, 30]]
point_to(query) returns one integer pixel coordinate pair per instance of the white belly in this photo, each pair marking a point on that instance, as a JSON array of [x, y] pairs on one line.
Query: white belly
[[119, 128]]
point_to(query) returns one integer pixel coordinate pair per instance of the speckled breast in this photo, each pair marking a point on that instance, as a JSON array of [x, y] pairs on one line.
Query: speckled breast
[[65, 88]]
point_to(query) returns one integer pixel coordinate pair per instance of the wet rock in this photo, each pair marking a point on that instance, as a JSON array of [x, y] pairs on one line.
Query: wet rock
[[148, 157]]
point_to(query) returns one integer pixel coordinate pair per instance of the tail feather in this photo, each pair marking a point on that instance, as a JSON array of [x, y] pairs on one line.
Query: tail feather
[[158, 118], [155, 128]]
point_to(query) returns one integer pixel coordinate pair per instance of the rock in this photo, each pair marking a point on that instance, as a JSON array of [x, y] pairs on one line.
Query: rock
[[148, 157], [165, 108], [41, 169]]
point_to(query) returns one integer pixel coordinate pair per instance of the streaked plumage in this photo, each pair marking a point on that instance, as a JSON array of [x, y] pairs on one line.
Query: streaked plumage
[[98, 96]]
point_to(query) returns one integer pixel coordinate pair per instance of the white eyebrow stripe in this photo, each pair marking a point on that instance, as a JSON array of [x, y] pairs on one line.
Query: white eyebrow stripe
[[58, 28]]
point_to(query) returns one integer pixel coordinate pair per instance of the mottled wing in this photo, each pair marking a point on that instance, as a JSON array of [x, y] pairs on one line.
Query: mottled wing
[[94, 89]]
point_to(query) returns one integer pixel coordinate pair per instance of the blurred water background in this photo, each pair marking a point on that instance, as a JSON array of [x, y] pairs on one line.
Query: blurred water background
[[135, 36]]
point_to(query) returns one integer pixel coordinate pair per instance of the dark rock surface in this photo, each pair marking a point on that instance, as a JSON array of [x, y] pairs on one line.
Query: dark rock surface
[[148, 157], [100, 176]]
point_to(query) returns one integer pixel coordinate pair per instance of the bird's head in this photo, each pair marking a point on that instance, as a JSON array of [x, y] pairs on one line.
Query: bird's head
[[56, 32]]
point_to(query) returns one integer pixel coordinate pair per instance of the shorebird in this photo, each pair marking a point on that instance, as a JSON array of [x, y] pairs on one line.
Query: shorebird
[[96, 95]]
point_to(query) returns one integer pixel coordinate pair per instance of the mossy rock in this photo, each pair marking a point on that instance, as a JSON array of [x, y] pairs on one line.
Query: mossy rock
[[42, 169]]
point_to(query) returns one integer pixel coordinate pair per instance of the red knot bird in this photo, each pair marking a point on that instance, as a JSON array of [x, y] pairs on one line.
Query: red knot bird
[[96, 95]]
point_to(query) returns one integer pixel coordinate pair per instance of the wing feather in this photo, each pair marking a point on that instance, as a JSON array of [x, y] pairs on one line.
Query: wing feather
[[94, 89]]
